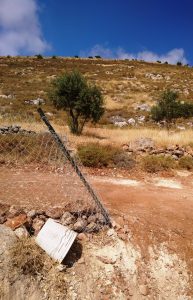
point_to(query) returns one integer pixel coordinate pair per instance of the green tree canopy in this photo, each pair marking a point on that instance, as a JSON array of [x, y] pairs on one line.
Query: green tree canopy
[[169, 108], [81, 101]]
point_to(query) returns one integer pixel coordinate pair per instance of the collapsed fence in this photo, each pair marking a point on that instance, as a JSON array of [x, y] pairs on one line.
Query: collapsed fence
[[38, 170]]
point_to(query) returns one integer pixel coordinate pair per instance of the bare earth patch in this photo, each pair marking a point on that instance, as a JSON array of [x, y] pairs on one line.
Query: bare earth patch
[[151, 253]]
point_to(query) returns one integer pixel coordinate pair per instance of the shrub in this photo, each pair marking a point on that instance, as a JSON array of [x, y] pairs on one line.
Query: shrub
[[90, 57], [186, 162], [96, 155], [179, 63], [39, 56], [54, 57], [153, 163], [76, 56], [97, 56]]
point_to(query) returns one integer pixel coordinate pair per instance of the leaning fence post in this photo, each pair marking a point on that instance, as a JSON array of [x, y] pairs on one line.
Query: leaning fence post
[[75, 166]]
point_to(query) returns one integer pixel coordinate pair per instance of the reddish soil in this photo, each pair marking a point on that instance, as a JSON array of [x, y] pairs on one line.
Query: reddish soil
[[155, 215]]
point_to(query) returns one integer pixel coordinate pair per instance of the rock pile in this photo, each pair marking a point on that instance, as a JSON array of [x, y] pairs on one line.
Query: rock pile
[[15, 129], [37, 101], [122, 122], [29, 222], [147, 146]]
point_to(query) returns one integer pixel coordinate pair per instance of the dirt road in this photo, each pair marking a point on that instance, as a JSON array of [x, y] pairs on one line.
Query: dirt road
[[158, 212]]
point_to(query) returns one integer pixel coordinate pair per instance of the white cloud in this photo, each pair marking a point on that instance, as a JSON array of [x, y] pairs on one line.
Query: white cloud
[[171, 57], [20, 30]]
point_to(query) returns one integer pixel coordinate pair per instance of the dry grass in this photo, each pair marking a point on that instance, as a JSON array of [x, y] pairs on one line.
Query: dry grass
[[29, 259], [118, 137], [114, 136]]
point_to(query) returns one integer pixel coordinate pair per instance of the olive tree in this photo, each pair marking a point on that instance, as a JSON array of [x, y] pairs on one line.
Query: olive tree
[[169, 108], [81, 101]]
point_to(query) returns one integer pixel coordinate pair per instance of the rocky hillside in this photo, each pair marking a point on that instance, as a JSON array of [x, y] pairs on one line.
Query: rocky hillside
[[129, 87]]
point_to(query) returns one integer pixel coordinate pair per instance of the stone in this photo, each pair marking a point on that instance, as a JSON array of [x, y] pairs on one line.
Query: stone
[[100, 218], [67, 219], [80, 225], [2, 219], [110, 232], [92, 218], [37, 225], [107, 259], [141, 144], [15, 211], [82, 237], [131, 121], [17, 221], [32, 213], [4, 208], [92, 227], [55, 212], [144, 290], [21, 232]]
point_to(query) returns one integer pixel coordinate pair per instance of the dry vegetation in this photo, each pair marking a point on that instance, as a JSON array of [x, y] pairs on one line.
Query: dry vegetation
[[124, 84]]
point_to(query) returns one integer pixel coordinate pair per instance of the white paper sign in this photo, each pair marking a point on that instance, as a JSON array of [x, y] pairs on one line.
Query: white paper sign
[[55, 239]]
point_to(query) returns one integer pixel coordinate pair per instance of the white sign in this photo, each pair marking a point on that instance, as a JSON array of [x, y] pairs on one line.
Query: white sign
[[55, 239]]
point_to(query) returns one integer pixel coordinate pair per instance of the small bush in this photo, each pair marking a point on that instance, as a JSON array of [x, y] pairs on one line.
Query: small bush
[[153, 163], [179, 63], [186, 162], [96, 155], [97, 56], [39, 56], [54, 57]]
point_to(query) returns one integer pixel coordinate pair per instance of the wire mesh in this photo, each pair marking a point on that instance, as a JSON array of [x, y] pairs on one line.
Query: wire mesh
[[35, 174]]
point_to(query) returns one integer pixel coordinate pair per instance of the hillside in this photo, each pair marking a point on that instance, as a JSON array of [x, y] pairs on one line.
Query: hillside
[[125, 84]]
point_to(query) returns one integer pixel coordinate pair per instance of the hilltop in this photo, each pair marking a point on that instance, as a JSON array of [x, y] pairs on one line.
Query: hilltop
[[125, 84]]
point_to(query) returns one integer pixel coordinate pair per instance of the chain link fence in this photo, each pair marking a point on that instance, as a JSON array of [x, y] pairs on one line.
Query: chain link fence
[[38, 171]]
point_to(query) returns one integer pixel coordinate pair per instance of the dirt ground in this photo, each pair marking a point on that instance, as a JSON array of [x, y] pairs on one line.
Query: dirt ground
[[157, 210]]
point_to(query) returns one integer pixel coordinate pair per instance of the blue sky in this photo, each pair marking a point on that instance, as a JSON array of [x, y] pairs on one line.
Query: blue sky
[[143, 29]]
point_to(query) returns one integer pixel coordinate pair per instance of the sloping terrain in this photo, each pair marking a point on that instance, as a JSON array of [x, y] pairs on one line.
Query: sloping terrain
[[125, 84]]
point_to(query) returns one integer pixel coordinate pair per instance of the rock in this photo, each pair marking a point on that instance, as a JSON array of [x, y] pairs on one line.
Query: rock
[[144, 290], [3, 219], [143, 107], [15, 211], [37, 101], [92, 218], [17, 221], [141, 144], [111, 232], [82, 237], [67, 219], [37, 225], [21, 232], [107, 259], [120, 124], [80, 225], [55, 212], [100, 218], [7, 240], [32, 213], [92, 227], [131, 121], [4, 208]]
